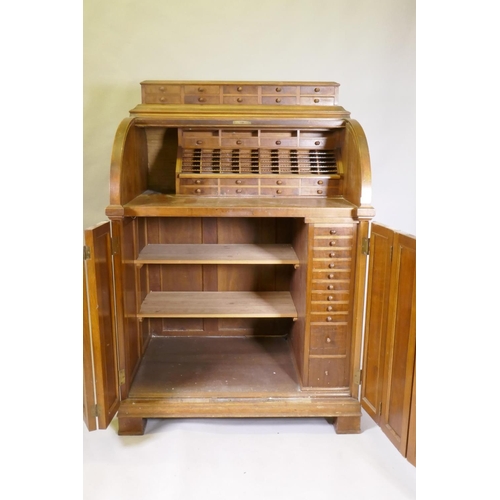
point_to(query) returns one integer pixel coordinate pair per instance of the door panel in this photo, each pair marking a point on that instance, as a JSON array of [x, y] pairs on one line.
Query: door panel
[[379, 276], [102, 322]]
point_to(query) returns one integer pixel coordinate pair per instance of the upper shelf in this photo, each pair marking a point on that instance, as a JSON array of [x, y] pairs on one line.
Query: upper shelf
[[217, 254]]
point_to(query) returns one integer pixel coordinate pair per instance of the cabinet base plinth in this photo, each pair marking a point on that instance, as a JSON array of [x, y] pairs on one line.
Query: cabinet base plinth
[[131, 426], [347, 425]]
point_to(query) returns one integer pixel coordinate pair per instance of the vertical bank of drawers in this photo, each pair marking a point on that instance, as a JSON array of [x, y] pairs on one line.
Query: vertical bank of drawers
[[330, 304], [319, 94]]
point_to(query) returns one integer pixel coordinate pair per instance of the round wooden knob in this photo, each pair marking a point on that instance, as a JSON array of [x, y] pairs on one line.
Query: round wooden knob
[[278, 89], [329, 308], [317, 143], [199, 142], [328, 318], [201, 89], [278, 142], [317, 89], [333, 231], [278, 100], [332, 255], [326, 373], [238, 142], [239, 99], [201, 99], [330, 297], [239, 89], [238, 181], [198, 191], [279, 183], [332, 265], [162, 99], [197, 181], [320, 182], [161, 89], [320, 191], [328, 340], [316, 100], [330, 287], [238, 191], [279, 191], [331, 276], [332, 243]]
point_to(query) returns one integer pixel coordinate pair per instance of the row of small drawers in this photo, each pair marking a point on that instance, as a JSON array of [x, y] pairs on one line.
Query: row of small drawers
[[324, 186], [255, 142], [238, 94], [330, 305]]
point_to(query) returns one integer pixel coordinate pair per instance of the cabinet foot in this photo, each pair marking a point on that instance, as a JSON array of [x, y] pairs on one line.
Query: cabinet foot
[[347, 425], [128, 426]]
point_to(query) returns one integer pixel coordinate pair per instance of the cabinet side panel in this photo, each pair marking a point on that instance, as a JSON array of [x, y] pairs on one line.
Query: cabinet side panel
[[379, 274]]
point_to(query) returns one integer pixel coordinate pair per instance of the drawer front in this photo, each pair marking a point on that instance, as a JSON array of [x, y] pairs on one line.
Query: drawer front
[[317, 90], [333, 242], [162, 89], [240, 89], [239, 191], [205, 142], [320, 191], [328, 339], [328, 307], [326, 254], [316, 142], [330, 286], [201, 89], [279, 191], [279, 90], [201, 99], [330, 317], [279, 182], [269, 142], [332, 265], [317, 101], [328, 372], [279, 100], [243, 99], [162, 99], [239, 182], [316, 181], [248, 142], [330, 296], [333, 230], [198, 182], [199, 191]]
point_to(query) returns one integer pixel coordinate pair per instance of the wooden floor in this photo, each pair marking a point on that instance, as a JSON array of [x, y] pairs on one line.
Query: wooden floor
[[191, 367]]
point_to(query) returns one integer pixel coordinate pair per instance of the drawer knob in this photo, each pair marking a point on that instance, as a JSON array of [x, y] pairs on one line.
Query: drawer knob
[[238, 191], [239, 99], [279, 183], [330, 297], [330, 287], [278, 100], [317, 143], [328, 318], [332, 265], [198, 190], [238, 181], [328, 340], [162, 99], [201, 99], [279, 191], [278, 142], [332, 254], [331, 276], [197, 181], [317, 89], [320, 191], [333, 231], [332, 243], [316, 100], [326, 373], [238, 142], [162, 89], [201, 89], [278, 89], [329, 308], [320, 182], [239, 89], [199, 142]]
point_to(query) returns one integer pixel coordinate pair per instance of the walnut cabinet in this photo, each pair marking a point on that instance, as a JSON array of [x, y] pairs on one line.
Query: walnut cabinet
[[229, 280]]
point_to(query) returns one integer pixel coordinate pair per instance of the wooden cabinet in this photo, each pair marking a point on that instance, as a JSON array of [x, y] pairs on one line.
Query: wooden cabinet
[[230, 279]]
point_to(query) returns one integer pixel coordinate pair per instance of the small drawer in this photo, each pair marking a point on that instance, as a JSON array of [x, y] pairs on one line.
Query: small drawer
[[316, 142], [330, 286], [243, 142], [279, 191], [319, 191], [330, 296], [279, 100], [243, 99], [317, 90], [277, 142], [315, 181], [239, 191], [201, 142], [317, 101], [332, 265], [279, 90], [279, 182], [162, 99], [330, 318], [328, 372], [328, 307], [162, 89], [201, 99], [240, 89], [199, 191], [201, 89], [333, 230], [328, 339], [239, 182], [333, 242], [328, 275], [326, 255], [198, 182]]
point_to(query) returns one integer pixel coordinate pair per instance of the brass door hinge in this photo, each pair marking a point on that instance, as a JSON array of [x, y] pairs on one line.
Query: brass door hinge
[[86, 252], [97, 410], [357, 377], [122, 377], [365, 246]]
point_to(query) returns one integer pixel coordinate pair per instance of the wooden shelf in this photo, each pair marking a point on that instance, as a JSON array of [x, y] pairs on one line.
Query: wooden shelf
[[218, 254], [218, 305]]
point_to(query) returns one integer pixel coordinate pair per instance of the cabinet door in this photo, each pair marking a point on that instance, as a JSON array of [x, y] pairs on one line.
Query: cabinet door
[[101, 382]]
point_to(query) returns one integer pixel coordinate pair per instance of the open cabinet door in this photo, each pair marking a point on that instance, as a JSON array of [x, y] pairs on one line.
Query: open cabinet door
[[101, 380]]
